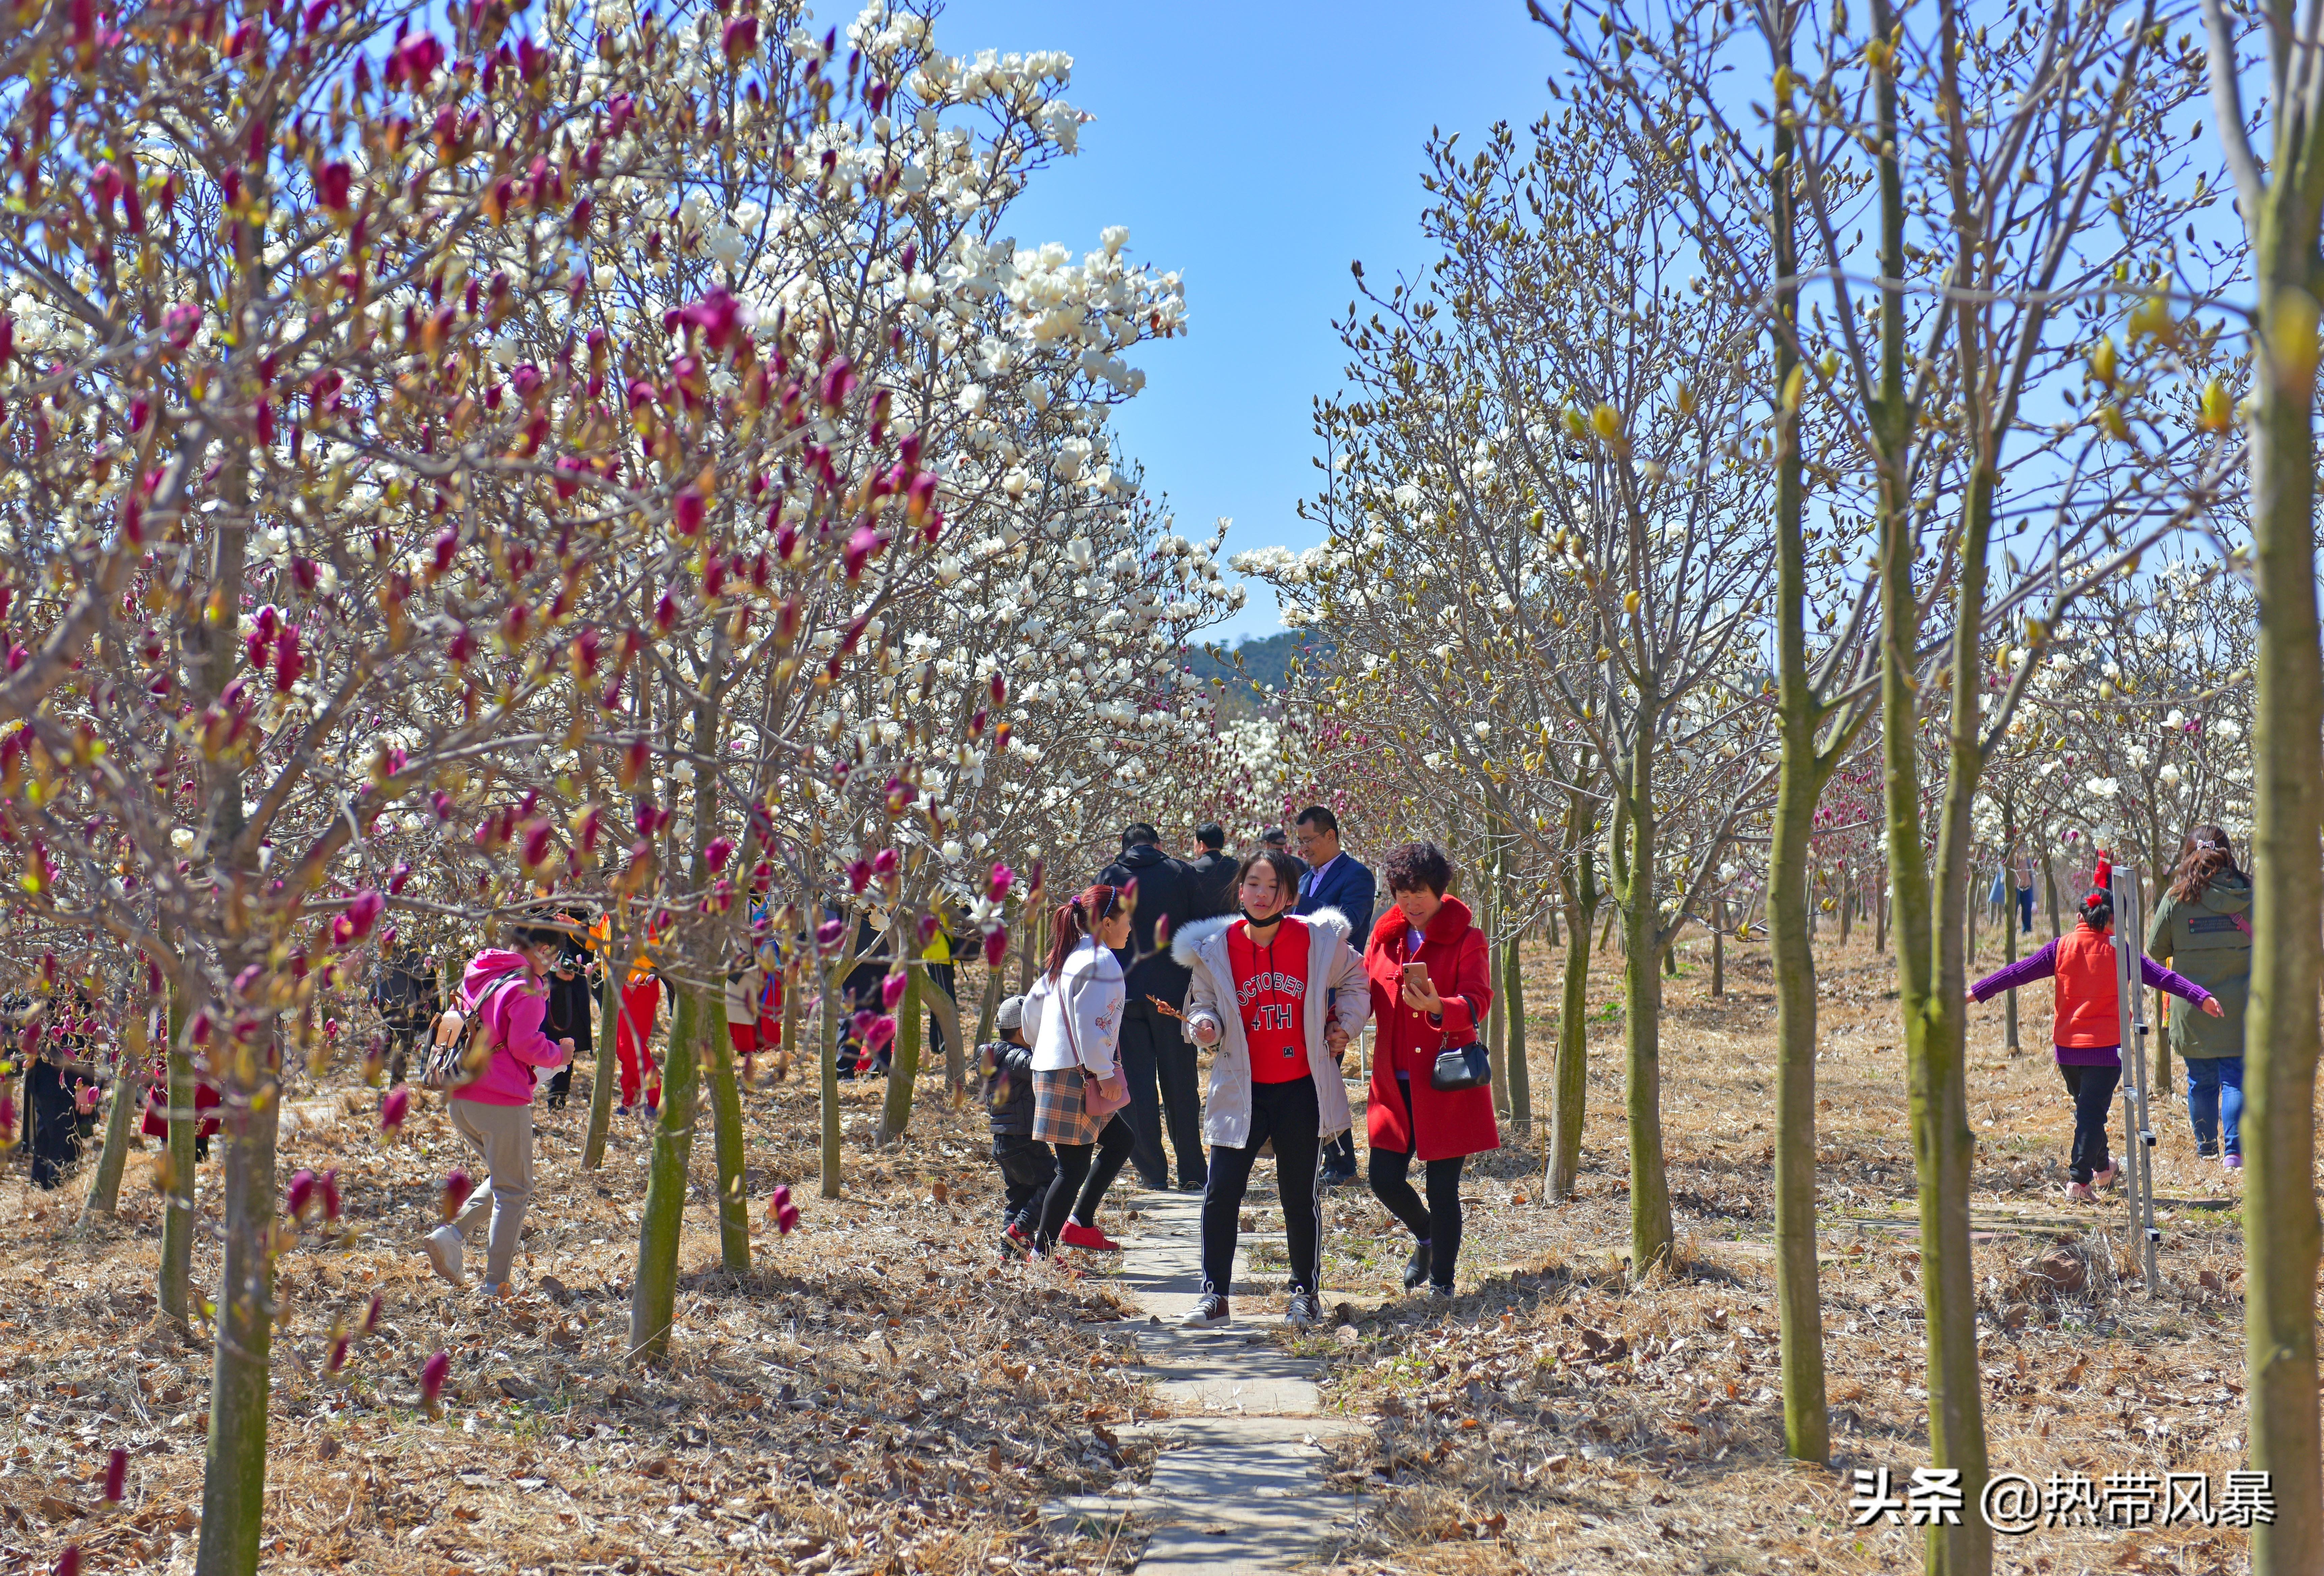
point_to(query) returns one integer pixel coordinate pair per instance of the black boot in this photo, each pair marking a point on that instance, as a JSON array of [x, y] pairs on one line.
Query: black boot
[[1415, 1271]]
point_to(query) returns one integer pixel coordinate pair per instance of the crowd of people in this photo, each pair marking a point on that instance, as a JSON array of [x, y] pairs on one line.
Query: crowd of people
[[1270, 965], [1273, 965]]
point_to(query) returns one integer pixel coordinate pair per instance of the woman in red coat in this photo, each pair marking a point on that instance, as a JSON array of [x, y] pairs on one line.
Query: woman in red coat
[[1410, 1118]]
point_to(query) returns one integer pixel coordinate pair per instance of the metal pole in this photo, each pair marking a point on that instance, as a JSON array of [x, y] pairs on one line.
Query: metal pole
[[2130, 994]]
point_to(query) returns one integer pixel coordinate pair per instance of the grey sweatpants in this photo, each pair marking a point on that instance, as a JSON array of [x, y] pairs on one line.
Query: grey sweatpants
[[503, 1134]]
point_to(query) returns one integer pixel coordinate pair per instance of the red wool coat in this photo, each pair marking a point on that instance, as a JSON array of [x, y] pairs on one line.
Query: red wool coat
[[1452, 1122]]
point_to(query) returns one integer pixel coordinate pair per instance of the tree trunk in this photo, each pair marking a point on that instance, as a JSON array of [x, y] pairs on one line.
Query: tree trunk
[[1929, 925], [726, 1139], [827, 1054], [132, 1070], [2050, 894], [1846, 898], [1520, 1075], [654, 1300], [2279, 1223], [234, 1474], [1719, 947], [904, 1067], [173, 1288], [1642, 948], [1791, 895], [602, 1082], [1569, 1077], [2009, 955], [987, 1008], [1880, 921]]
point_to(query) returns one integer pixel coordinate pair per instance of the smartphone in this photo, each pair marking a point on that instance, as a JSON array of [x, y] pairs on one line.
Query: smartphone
[[1416, 976]]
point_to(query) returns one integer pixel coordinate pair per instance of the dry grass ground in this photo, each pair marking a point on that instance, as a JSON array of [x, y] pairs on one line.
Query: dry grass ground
[[879, 1394], [1558, 1419], [882, 1395]]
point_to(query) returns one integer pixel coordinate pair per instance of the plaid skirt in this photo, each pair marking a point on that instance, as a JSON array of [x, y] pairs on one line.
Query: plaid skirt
[[1058, 1117]]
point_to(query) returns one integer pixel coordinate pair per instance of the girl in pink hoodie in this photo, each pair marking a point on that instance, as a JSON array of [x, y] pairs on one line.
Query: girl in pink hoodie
[[503, 991]]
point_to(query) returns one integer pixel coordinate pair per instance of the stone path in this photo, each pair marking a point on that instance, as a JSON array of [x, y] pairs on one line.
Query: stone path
[[1238, 1487]]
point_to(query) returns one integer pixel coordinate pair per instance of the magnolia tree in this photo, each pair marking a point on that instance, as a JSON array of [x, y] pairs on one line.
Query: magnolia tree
[[1545, 569], [449, 467]]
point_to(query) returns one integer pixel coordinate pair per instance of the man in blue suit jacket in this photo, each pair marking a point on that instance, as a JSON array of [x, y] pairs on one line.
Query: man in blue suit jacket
[[1335, 881]]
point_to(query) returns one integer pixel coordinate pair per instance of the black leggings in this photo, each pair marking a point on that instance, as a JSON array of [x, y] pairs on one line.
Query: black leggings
[[2093, 1090], [1438, 1224], [1079, 1173], [1286, 1112]]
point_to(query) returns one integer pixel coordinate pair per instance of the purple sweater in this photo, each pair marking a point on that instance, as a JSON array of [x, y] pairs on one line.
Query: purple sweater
[[2043, 964]]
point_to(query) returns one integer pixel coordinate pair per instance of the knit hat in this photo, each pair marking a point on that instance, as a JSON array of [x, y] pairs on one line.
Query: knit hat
[[1010, 1018]]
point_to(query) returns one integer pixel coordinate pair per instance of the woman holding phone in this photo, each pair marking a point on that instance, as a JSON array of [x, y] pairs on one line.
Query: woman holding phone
[[1431, 987], [1073, 1017]]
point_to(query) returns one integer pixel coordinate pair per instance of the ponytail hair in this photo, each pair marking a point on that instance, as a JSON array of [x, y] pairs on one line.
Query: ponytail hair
[[1077, 920], [2205, 855], [2098, 909]]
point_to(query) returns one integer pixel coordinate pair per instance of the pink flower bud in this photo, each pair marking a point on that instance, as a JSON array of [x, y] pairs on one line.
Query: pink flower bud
[[719, 851], [926, 930], [1003, 877], [329, 1185], [996, 945], [377, 1306], [457, 1186], [394, 1108], [300, 1198], [116, 1476], [69, 1562], [884, 864], [859, 876], [891, 990], [432, 1376]]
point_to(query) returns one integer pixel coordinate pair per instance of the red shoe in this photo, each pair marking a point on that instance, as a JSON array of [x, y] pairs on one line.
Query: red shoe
[[1076, 1235]]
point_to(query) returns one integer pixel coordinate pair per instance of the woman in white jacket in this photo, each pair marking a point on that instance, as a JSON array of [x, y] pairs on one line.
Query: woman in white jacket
[[1073, 1017], [1280, 998]]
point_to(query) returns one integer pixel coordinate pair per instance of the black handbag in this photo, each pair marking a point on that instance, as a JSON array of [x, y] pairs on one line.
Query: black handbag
[[1465, 1067]]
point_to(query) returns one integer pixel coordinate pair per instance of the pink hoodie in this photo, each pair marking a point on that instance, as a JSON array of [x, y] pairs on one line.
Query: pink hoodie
[[512, 1024]]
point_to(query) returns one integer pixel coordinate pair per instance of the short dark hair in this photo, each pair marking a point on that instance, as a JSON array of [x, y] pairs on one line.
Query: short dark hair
[[1274, 838], [1139, 832], [1210, 835], [1287, 866], [1410, 866], [527, 932], [1317, 816]]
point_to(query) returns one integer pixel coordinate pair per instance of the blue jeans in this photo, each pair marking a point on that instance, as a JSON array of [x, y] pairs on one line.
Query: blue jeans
[[2214, 1094]]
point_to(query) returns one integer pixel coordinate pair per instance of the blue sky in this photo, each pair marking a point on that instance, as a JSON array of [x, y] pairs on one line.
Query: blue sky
[[1256, 147]]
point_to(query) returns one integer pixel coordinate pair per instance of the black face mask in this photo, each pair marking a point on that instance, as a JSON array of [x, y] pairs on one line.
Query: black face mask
[[1250, 918]]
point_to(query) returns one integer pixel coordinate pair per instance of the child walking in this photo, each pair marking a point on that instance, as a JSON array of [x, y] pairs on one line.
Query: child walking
[[1027, 1166], [2087, 1026]]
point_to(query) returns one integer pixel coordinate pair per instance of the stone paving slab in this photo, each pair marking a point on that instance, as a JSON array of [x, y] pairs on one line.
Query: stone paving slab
[[1237, 1488]]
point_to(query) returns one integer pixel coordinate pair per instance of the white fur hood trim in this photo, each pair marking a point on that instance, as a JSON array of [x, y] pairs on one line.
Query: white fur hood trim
[[1186, 943]]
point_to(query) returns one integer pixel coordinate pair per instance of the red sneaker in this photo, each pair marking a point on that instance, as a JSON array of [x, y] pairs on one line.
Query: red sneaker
[[1076, 1235]]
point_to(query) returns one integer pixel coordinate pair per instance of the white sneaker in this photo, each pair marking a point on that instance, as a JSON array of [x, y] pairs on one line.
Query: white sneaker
[[2080, 1193], [446, 1249]]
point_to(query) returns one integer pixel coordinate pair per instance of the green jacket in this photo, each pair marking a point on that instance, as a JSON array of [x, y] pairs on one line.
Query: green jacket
[[2209, 941]]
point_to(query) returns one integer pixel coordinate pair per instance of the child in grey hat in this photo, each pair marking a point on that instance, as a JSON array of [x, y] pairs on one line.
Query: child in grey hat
[[1026, 1166]]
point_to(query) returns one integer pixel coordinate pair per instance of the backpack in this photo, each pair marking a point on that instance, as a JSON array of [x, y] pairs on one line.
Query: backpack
[[456, 1049]]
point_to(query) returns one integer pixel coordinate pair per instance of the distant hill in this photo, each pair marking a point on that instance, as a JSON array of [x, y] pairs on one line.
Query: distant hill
[[1265, 662]]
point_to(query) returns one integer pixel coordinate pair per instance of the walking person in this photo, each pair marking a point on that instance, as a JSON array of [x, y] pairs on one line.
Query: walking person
[[58, 1086], [1215, 875], [2086, 1027], [571, 999], [406, 994], [505, 993], [2025, 871], [1280, 997], [1074, 1018], [1431, 989], [1156, 1059], [2203, 926], [1027, 1166], [1334, 880]]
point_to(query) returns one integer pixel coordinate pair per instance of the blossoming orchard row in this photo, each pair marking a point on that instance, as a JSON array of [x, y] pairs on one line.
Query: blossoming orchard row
[[456, 456]]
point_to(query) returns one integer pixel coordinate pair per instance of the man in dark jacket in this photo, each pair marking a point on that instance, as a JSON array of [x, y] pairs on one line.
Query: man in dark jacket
[[1153, 1050], [1335, 881], [1213, 871], [409, 1001], [570, 998]]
